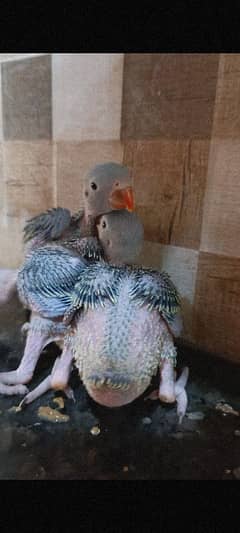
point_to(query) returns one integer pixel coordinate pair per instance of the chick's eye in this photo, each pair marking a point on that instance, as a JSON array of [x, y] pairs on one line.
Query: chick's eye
[[117, 184], [104, 224], [93, 186]]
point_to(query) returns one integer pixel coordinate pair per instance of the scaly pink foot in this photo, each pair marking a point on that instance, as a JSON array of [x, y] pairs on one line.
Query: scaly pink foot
[[57, 380], [180, 393], [41, 332]]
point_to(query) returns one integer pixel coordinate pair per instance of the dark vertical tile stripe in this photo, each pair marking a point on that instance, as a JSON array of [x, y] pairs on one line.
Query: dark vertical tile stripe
[[26, 99]]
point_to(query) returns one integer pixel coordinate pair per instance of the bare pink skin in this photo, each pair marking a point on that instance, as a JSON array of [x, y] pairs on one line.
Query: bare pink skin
[[113, 398], [167, 385], [140, 343], [61, 373], [37, 339], [46, 385], [43, 387], [180, 394], [11, 390]]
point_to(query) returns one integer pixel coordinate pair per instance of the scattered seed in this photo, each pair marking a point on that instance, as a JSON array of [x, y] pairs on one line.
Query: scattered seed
[[51, 415], [226, 408], [95, 430], [146, 420], [125, 469], [59, 401]]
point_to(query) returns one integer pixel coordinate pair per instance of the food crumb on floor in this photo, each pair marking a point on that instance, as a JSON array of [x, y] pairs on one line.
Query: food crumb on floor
[[51, 415], [59, 401], [95, 430]]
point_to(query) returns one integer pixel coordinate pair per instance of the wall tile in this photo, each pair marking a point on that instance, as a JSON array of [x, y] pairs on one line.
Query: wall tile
[[181, 264], [169, 95], [74, 159], [217, 305], [169, 181], [28, 179], [11, 241], [87, 96], [221, 215], [26, 99], [226, 123], [2, 188], [12, 317], [1, 120]]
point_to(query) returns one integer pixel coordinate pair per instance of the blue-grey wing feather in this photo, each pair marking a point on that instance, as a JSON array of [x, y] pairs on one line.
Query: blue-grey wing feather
[[49, 225], [47, 279], [98, 284], [156, 290]]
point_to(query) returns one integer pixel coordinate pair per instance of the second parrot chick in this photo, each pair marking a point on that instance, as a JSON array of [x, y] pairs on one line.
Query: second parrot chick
[[121, 235], [48, 276], [107, 187]]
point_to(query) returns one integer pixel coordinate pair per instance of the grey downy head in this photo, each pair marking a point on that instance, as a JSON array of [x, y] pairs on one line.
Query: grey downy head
[[121, 234], [107, 187]]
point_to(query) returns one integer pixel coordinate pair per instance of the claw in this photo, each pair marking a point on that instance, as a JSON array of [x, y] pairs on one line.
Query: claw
[[70, 394], [181, 395], [22, 403], [25, 328]]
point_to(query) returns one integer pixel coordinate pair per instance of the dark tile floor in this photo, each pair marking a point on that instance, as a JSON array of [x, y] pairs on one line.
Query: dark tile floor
[[127, 447]]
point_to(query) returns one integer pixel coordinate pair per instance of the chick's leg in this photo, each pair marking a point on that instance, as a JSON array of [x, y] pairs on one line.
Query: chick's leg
[[43, 387], [181, 395], [167, 363], [57, 380], [60, 375], [41, 332]]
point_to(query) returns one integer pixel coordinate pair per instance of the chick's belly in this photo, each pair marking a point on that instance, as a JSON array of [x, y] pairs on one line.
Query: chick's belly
[[136, 333], [145, 331], [91, 330]]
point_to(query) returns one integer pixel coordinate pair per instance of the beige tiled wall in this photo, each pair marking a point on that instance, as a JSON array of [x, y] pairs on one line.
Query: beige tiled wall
[[221, 220], [87, 96], [216, 311], [1, 125], [169, 180], [174, 120]]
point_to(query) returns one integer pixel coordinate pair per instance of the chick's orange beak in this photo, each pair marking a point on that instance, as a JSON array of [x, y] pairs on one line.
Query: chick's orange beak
[[122, 199]]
